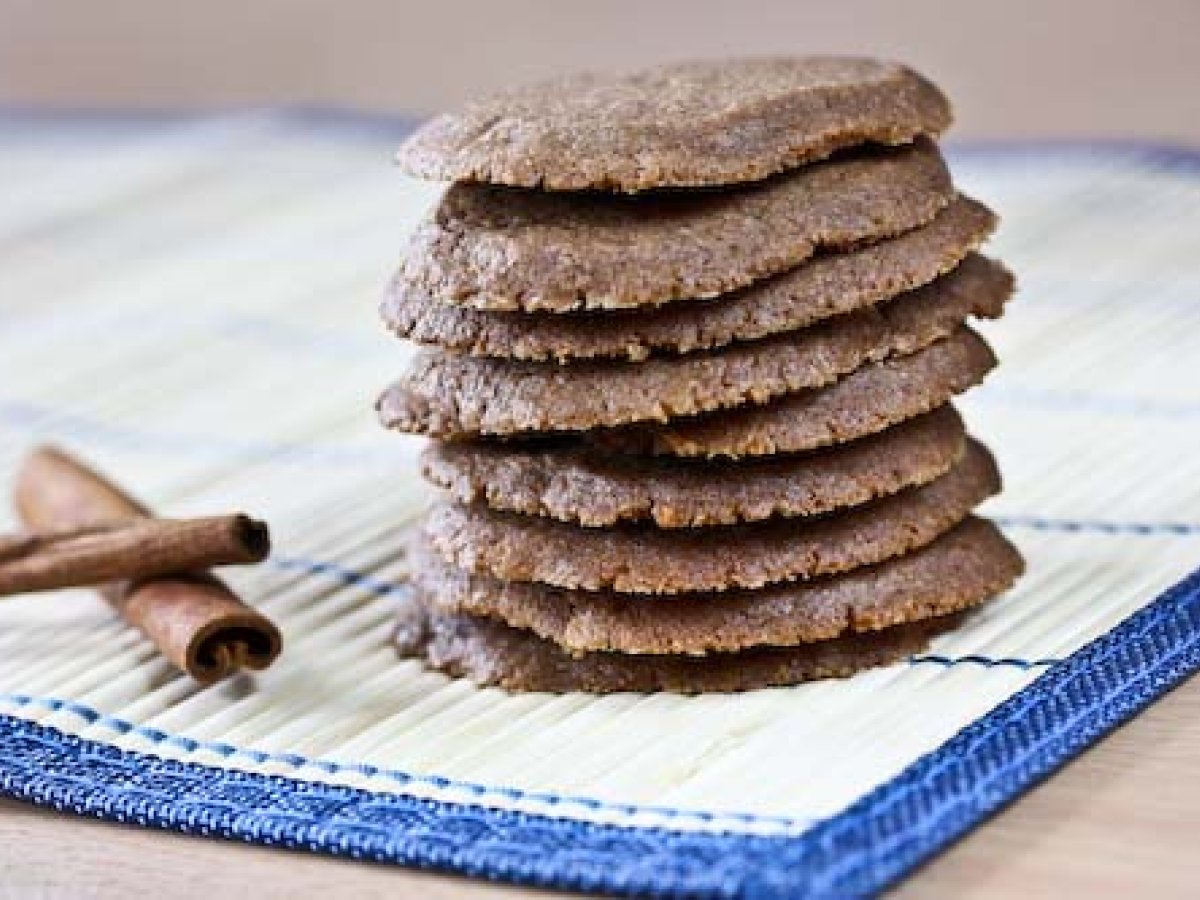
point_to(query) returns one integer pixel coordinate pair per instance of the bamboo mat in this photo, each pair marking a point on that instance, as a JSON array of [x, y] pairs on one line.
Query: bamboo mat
[[190, 303]]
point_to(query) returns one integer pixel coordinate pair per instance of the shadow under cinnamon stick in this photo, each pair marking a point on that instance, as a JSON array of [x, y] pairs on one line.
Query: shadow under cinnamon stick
[[193, 618]]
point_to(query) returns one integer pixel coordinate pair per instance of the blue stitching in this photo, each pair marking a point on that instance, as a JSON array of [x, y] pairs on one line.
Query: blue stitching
[[1099, 526], [343, 574], [157, 736], [988, 662], [123, 726]]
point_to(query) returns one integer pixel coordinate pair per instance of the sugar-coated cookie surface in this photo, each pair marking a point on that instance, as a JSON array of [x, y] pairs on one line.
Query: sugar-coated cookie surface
[[864, 402], [825, 286], [575, 482], [647, 560], [962, 568], [508, 249], [682, 125], [449, 395]]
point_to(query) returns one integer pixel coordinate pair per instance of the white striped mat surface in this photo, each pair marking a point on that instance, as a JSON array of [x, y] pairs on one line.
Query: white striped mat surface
[[191, 304]]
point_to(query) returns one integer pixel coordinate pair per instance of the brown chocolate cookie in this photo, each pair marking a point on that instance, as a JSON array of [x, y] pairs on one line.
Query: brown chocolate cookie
[[491, 653], [681, 125], [646, 560], [963, 567], [506, 249], [825, 286], [575, 482], [864, 402], [449, 395]]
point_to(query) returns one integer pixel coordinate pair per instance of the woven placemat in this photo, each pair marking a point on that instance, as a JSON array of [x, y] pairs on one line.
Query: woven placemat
[[190, 303]]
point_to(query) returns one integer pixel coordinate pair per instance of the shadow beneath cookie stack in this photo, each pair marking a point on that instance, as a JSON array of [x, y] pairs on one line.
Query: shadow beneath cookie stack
[[693, 338]]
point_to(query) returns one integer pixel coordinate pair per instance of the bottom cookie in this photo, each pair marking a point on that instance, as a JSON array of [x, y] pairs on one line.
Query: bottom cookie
[[490, 653], [960, 569]]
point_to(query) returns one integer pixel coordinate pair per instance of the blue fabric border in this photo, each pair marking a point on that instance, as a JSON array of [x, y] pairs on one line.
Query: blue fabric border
[[857, 853]]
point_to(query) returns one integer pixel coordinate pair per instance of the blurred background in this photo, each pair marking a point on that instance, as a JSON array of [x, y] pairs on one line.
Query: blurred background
[[1018, 68]]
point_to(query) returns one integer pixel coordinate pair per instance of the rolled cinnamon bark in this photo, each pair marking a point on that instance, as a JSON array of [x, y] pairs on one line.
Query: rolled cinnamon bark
[[133, 549], [193, 618]]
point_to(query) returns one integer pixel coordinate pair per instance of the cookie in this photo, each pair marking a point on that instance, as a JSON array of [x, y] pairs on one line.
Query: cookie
[[646, 560], [864, 402], [575, 482], [491, 653], [507, 249], [963, 567], [682, 125], [448, 395], [825, 286]]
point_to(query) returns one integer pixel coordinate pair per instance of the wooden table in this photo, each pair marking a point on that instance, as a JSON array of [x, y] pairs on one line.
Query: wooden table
[[1120, 819]]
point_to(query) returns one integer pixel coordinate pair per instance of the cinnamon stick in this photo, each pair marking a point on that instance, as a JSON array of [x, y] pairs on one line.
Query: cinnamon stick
[[193, 618], [133, 549]]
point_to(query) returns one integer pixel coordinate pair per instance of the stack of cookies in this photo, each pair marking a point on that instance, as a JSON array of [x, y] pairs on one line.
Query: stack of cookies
[[694, 333]]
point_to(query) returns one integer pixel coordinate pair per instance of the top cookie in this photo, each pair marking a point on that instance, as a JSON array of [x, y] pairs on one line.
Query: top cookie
[[688, 124]]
